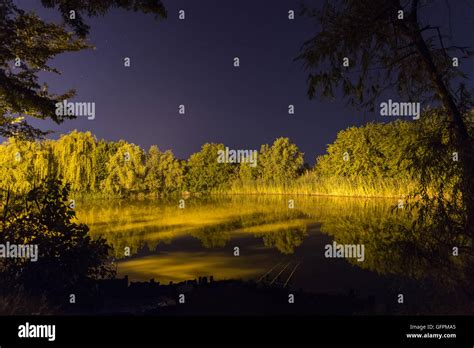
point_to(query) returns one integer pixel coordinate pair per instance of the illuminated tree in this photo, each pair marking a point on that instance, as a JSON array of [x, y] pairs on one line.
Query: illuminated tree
[[280, 163], [388, 48], [74, 153], [125, 170], [205, 173], [164, 173]]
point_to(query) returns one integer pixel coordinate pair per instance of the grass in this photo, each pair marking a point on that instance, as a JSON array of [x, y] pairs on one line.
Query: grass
[[309, 184]]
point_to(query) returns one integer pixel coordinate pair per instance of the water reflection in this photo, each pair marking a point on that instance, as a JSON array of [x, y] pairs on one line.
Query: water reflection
[[172, 244]]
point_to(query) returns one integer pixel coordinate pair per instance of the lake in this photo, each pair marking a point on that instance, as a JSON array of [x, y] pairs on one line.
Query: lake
[[282, 241]]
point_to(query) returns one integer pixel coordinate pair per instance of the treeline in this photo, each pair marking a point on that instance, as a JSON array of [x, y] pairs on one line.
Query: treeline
[[376, 159], [96, 166]]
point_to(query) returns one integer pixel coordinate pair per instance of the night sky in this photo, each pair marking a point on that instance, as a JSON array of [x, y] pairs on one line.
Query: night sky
[[190, 62]]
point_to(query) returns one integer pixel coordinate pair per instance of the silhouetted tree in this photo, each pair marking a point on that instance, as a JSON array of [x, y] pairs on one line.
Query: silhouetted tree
[[68, 259], [27, 43], [99, 8], [390, 49]]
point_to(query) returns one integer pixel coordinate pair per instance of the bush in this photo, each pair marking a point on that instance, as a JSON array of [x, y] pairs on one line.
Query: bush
[[68, 259]]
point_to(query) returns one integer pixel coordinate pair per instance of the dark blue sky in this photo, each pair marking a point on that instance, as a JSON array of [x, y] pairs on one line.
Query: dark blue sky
[[190, 62]]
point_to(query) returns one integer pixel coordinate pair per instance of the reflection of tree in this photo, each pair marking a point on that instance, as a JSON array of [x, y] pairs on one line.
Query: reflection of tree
[[215, 236], [132, 223], [395, 244], [285, 240], [269, 217]]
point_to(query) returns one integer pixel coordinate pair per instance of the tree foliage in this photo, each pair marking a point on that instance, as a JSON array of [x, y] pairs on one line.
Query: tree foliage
[[280, 163], [27, 44], [125, 169], [27, 40], [74, 152], [164, 173], [391, 50], [375, 150], [92, 8], [67, 257], [204, 172]]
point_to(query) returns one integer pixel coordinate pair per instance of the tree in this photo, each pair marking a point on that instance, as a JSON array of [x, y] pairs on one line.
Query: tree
[[67, 257], [27, 43], [164, 173], [389, 49], [247, 172], [280, 163], [205, 173], [103, 151], [74, 153], [375, 150], [25, 164], [99, 8], [125, 170]]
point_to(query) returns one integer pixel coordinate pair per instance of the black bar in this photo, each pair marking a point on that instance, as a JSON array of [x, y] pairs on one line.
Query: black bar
[[288, 330]]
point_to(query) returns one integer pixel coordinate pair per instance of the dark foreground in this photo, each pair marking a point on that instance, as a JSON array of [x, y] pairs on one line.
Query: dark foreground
[[209, 297]]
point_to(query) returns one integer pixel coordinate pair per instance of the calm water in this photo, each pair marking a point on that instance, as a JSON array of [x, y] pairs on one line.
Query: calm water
[[280, 245]]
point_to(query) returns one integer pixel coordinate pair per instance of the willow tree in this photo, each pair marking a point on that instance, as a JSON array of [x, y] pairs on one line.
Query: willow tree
[[74, 153], [16, 162], [371, 48], [24, 164], [125, 170]]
